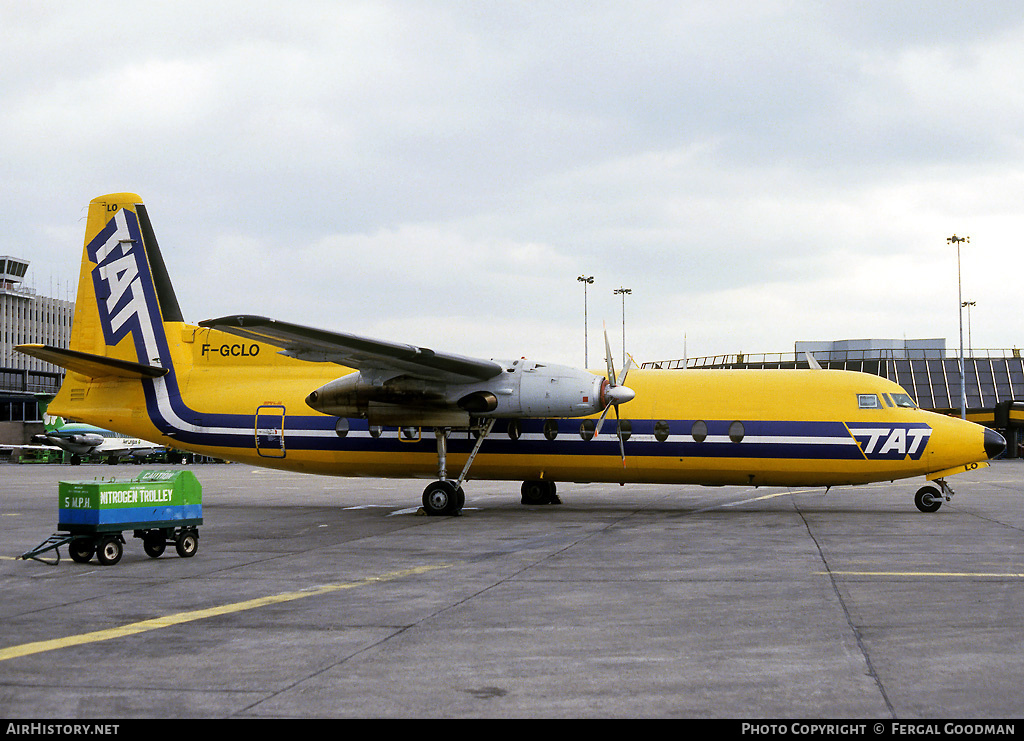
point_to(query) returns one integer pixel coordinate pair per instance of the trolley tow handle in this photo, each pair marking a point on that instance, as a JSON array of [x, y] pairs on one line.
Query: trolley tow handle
[[52, 543]]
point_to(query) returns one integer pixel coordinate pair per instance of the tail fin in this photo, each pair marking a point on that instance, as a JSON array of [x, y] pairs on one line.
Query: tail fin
[[124, 297], [51, 423]]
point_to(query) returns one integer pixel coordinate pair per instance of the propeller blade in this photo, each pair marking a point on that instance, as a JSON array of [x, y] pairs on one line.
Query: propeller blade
[[600, 421], [609, 360], [625, 369], [614, 393], [618, 431]]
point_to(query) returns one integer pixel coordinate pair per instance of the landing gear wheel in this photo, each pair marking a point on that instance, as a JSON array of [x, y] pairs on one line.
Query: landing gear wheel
[[539, 491], [443, 498], [109, 550], [187, 543], [153, 544], [928, 499], [81, 550]]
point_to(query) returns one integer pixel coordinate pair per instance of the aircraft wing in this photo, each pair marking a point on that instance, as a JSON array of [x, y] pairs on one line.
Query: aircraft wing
[[353, 351], [29, 446]]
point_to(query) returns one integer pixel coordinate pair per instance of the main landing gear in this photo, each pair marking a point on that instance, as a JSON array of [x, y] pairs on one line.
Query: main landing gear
[[540, 491], [445, 496], [929, 499]]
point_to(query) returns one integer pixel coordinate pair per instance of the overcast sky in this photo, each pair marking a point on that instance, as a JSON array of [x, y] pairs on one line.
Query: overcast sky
[[440, 173]]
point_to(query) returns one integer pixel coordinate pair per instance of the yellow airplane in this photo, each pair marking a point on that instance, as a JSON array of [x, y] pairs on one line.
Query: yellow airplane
[[269, 393]]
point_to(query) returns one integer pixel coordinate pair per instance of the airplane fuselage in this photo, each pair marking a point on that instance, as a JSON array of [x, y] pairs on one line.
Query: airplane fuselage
[[243, 401], [271, 393]]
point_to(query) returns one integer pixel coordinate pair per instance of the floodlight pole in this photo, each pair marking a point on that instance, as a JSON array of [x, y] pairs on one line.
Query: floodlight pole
[[970, 344], [960, 300], [623, 292], [585, 280]]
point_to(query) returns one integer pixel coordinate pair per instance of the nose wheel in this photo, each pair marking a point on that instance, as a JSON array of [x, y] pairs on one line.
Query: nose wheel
[[929, 499]]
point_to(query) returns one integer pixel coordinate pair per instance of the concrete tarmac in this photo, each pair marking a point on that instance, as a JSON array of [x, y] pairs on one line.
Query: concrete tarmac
[[320, 597]]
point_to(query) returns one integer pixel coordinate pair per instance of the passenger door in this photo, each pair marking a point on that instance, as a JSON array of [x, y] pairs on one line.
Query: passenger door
[[270, 431]]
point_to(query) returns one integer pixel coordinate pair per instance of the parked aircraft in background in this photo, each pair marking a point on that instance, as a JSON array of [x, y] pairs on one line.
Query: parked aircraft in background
[[271, 393], [80, 439]]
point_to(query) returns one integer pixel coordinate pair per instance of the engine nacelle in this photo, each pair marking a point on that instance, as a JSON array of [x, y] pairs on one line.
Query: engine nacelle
[[523, 389], [351, 395], [546, 390]]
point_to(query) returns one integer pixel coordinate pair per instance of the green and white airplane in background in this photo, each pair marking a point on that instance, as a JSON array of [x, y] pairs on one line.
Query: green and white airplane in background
[[80, 439]]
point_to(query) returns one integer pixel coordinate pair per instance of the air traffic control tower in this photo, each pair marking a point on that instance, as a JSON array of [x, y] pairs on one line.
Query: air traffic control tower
[[27, 317], [994, 379]]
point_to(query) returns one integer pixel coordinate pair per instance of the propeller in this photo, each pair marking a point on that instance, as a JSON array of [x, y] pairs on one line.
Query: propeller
[[613, 393]]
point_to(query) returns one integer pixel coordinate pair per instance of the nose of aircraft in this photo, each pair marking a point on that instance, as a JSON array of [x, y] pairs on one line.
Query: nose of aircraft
[[995, 443]]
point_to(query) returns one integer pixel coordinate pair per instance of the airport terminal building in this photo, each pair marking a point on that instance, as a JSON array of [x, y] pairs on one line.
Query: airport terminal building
[[27, 317], [993, 379]]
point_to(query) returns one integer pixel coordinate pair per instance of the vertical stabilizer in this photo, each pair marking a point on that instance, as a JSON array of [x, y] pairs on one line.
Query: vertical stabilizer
[[119, 354], [124, 292]]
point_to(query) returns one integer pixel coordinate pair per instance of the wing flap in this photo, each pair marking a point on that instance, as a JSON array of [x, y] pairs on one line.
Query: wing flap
[[354, 351]]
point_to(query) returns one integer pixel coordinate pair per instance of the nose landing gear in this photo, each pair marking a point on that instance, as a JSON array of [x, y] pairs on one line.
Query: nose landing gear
[[929, 499]]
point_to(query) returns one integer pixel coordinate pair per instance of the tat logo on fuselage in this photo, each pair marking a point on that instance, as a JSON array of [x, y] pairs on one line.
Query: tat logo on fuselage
[[890, 442]]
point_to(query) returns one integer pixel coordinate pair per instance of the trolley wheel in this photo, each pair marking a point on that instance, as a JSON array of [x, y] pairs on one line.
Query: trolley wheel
[[81, 550], [109, 550], [154, 543], [187, 543]]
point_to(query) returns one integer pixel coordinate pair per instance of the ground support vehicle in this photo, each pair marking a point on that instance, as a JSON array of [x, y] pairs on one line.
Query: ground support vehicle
[[158, 507]]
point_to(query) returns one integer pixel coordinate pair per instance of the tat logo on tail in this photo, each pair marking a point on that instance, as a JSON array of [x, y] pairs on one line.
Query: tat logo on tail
[[123, 283]]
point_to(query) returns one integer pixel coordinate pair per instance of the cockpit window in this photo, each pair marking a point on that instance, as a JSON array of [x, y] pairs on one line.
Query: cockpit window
[[903, 400], [868, 401]]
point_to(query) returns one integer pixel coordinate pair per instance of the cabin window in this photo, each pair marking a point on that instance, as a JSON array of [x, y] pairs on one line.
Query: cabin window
[[736, 432], [550, 429], [587, 429], [888, 401], [699, 431], [661, 431], [341, 427], [625, 429], [868, 401]]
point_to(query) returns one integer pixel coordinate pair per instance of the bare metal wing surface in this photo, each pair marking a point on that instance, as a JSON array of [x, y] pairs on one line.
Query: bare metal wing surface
[[354, 351]]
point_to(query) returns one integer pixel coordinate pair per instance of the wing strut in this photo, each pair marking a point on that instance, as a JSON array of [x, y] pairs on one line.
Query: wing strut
[[476, 449]]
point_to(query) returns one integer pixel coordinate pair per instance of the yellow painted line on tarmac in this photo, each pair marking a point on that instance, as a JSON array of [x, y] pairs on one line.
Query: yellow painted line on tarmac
[[27, 649], [961, 574]]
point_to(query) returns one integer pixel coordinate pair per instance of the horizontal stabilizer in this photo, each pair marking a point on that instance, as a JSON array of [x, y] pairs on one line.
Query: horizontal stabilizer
[[354, 351], [94, 366]]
